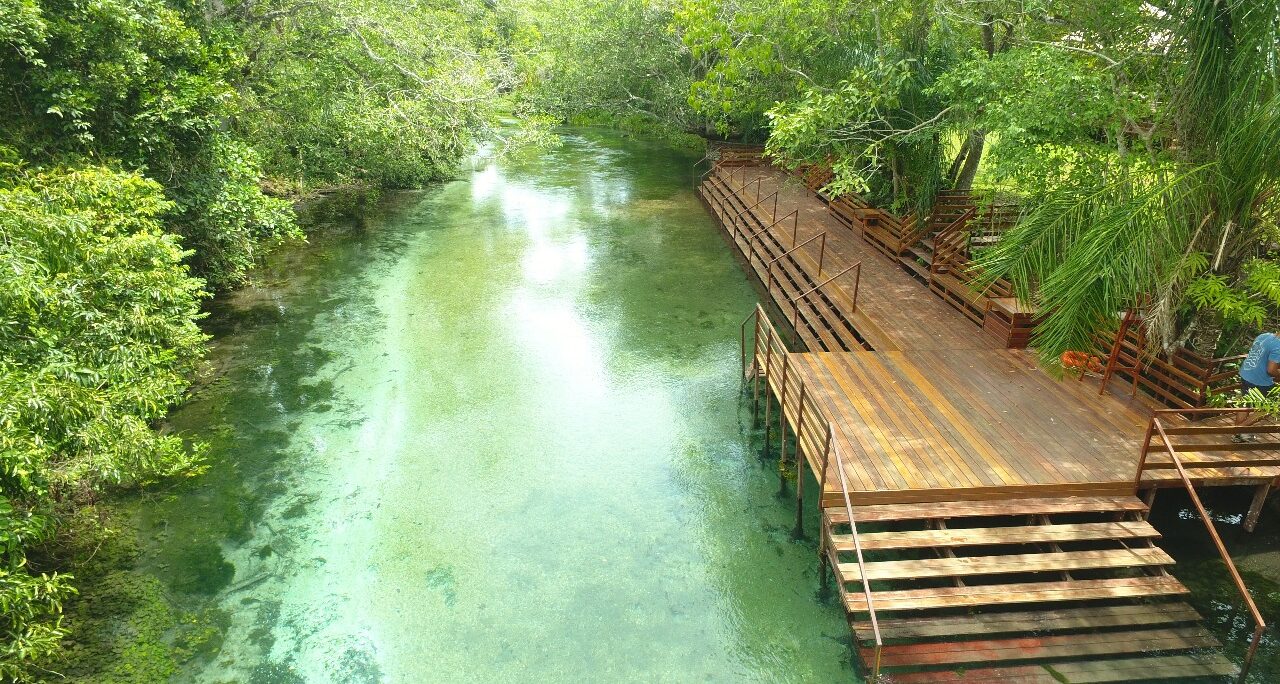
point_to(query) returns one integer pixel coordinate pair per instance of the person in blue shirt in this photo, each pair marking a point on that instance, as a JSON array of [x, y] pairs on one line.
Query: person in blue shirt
[[1258, 370]]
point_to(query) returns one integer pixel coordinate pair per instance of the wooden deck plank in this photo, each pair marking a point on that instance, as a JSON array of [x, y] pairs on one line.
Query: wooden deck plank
[[951, 653], [1034, 622], [1019, 593], [1160, 668], [1004, 564], [977, 509], [997, 536]]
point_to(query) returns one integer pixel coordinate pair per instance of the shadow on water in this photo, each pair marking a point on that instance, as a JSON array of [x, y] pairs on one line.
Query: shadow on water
[[1213, 594]]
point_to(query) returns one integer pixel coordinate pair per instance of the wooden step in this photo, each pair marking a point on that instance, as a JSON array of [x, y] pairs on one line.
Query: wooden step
[[967, 566], [913, 266], [825, 324], [1156, 668], [1010, 594], [1030, 622], [1045, 647], [996, 536], [974, 509]]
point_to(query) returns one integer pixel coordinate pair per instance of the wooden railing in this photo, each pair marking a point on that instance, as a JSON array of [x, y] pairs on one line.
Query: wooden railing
[[857, 280], [1180, 378], [1158, 428], [813, 441], [949, 241]]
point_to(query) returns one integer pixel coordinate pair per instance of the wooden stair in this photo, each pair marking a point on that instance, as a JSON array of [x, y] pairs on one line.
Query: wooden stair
[[1070, 589], [825, 320]]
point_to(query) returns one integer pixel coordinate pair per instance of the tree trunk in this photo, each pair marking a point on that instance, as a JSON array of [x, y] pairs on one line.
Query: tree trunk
[[972, 157], [956, 164], [1206, 333]]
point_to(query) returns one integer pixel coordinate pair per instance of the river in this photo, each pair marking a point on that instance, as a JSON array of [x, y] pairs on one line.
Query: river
[[492, 431]]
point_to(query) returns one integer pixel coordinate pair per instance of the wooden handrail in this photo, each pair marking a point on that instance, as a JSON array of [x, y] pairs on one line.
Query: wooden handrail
[[942, 249], [795, 310], [862, 568], [768, 283], [1260, 625]]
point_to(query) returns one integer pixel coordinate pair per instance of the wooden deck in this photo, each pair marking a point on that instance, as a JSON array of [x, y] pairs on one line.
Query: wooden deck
[[893, 311], [940, 425], [939, 411], [1008, 541]]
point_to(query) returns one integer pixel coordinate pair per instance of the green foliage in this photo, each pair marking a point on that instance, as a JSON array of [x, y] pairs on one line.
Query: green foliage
[[97, 340], [604, 62], [1112, 231], [367, 92], [133, 82]]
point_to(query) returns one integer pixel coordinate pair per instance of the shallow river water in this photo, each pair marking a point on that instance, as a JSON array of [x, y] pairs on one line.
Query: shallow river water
[[491, 431]]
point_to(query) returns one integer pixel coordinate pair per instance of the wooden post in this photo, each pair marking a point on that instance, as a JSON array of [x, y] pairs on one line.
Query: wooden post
[[824, 537], [1142, 457], [823, 583], [1149, 498], [755, 371], [798, 532], [768, 366], [1255, 507], [782, 427]]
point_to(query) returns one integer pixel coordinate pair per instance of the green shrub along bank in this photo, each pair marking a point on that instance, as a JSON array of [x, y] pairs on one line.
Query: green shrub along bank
[[148, 152]]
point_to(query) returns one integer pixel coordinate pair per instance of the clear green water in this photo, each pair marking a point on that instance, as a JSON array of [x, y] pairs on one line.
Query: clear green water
[[492, 432]]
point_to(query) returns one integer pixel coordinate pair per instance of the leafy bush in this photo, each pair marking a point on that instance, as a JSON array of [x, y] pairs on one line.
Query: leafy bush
[[97, 339]]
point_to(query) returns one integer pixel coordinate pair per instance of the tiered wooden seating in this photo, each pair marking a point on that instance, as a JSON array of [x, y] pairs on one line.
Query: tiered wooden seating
[[823, 320], [1180, 378], [1017, 590], [953, 276]]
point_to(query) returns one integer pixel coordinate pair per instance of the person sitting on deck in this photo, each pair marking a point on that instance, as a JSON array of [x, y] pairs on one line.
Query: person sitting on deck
[[1258, 370]]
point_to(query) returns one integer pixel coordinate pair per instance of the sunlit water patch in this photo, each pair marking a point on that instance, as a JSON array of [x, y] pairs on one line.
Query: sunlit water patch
[[491, 432]]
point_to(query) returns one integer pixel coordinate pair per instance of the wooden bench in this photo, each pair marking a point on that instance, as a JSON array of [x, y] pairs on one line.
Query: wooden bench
[[890, 234], [850, 210], [1010, 321]]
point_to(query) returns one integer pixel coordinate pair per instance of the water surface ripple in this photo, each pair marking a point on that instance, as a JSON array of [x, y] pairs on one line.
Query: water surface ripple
[[492, 432]]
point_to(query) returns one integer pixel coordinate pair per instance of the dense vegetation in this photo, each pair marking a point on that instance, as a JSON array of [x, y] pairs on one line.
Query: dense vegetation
[[148, 153], [150, 150]]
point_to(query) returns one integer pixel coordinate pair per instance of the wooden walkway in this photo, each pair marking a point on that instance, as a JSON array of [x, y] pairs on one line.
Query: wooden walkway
[[893, 311], [1003, 536]]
